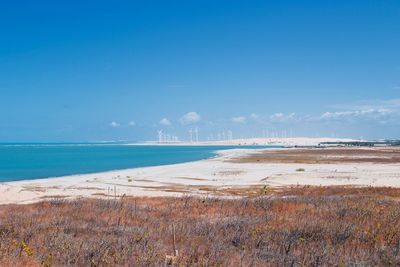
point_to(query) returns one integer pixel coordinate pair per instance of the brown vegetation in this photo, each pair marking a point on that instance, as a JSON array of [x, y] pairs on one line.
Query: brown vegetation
[[324, 155], [301, 226]]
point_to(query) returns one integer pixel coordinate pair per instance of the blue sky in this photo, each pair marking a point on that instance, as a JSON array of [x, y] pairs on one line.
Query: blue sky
[[101, 70]]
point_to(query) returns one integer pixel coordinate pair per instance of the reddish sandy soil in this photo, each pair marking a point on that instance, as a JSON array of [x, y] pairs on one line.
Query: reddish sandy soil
[[325, 156]]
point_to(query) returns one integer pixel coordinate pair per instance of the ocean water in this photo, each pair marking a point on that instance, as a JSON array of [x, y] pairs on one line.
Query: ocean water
[[32, 161]]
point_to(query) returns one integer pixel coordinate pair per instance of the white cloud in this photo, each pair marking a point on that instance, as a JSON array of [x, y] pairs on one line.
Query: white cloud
[[377, 111], [190, 118], [240, 119], [254, 116], [132, 123], [281, 117], [114, 124], [335, 115], [165, 122], [371, 114], [393, 104]]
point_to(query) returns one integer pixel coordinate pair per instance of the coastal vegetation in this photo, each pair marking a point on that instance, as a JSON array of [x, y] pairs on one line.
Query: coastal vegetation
[[299, 226]]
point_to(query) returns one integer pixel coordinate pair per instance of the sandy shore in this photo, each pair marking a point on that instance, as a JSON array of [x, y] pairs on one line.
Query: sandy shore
[[238, 168]]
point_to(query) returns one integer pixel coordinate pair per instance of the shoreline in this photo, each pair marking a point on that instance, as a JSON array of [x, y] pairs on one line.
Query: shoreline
[[38, 189], [215, 176]]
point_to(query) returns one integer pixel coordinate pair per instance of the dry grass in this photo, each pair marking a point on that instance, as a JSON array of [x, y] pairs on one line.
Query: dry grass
[[301, 226], [324, 155]]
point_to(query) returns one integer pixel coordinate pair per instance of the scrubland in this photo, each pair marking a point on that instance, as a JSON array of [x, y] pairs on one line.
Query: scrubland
[[299, 226]]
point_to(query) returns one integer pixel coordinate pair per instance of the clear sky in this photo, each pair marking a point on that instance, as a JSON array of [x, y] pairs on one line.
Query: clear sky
[[113, 70]]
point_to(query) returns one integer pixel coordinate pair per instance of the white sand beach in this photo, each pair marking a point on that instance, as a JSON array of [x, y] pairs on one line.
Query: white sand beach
[[206, 177]]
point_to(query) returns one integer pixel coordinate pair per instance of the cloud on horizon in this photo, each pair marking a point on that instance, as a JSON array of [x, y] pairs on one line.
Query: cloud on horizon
[[346, 119], [165, 122], [114, 124], [380, 111], [254, 116], [239, 119], [190, 118], [281, 117]]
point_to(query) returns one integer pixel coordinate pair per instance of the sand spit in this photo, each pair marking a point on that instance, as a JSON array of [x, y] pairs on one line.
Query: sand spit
[[324, 155], [222, 175]]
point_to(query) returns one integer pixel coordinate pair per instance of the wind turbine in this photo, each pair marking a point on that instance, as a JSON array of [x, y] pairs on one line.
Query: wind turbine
[[230, 135], [191, 135], [160, 135], [196, 132]]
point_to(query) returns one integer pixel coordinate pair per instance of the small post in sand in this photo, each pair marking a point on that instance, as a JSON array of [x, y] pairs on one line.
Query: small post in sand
[[172, 260], [174, 240], [135, 208]]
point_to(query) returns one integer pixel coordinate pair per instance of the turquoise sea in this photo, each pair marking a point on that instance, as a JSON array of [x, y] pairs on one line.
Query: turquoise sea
[[32, 161]]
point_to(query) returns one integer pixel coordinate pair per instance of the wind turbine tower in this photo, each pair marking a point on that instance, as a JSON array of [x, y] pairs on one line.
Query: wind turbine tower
[[160, 136], [230, 135], [196, 132], [191, 135]]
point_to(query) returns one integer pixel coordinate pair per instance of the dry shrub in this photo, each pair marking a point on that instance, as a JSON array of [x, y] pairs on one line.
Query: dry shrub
[[301, 226]]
